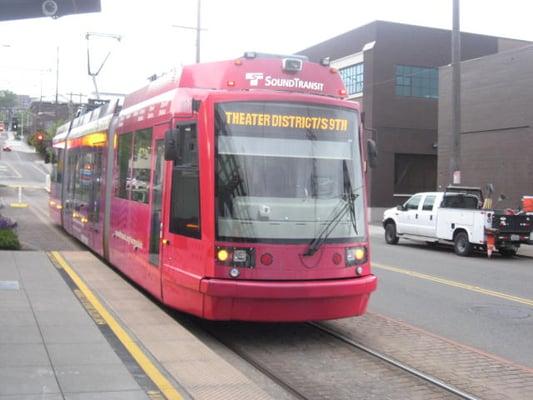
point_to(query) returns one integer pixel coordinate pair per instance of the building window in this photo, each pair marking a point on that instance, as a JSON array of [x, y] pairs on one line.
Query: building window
[[353, 78], [417, 81]]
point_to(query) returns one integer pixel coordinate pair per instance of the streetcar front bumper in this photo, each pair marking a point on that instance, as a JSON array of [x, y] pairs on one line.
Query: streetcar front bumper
[[226, 299]]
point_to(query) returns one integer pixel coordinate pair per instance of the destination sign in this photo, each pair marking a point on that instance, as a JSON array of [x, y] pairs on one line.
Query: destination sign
[[286, 121]]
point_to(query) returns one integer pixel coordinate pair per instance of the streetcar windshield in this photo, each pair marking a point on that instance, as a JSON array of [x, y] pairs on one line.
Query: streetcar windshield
[[283, 171]]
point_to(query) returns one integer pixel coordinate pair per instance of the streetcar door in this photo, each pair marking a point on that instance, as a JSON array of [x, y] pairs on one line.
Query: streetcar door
[[157, 202]]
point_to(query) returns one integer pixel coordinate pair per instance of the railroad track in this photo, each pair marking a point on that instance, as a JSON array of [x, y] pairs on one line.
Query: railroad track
[[327, 349], [428, 378]]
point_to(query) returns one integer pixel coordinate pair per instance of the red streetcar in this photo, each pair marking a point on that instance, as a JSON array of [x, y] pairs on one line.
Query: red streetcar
[[232, 191]]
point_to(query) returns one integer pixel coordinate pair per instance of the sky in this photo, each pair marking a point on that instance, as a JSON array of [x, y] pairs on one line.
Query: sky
[[150, 44]]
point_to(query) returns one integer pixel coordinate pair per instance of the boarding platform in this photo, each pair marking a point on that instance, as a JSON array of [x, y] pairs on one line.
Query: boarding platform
[[72, 328]]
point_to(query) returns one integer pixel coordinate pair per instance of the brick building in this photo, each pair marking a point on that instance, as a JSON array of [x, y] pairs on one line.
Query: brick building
[[496, 123], [44, 114], [392, 69]]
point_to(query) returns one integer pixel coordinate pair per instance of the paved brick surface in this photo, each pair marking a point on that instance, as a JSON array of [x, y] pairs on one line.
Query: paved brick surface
[[471, 370], [321, 367]]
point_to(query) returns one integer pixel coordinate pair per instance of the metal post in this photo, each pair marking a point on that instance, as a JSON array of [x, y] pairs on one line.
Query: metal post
[[198, 34], [57, 76], [196, 28], [455, 155], [19, 204]]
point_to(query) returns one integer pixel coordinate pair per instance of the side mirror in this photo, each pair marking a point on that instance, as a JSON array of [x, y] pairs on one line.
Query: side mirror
[[372, 153], [172, 149], [399, 207]]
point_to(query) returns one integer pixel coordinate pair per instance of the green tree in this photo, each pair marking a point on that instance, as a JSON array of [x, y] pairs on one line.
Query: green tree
[[42, 140], [51, 132], [8, 99]]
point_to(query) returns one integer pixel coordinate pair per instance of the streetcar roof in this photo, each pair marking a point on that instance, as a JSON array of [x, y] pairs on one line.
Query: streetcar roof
[[248, 73]]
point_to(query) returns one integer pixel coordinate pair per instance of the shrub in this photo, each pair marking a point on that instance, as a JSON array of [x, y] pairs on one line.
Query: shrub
[[6, 222], [9, 240]]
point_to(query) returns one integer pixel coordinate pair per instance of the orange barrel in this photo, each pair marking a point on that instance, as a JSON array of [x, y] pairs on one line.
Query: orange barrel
[[527, 203]]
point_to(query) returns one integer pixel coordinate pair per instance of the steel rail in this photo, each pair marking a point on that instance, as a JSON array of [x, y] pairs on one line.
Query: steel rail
[[413, 371]]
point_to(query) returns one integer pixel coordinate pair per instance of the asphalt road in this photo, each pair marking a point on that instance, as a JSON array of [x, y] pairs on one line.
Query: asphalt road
[[480, 302], [20, 166], [23, 168]]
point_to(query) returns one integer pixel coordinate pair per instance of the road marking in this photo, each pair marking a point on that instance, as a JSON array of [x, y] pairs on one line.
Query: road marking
[[18, 205], [472, 288], [38, 169], [24, 186], [4, 171], [17, 174], [144, 362]]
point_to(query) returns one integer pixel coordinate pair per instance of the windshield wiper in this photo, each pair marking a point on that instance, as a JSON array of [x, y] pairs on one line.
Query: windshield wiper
[[346, 204], [351, 207]]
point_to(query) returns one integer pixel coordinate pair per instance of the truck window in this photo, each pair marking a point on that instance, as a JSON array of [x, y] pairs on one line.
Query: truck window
[[460, 200], [413, 202], [428, 202]]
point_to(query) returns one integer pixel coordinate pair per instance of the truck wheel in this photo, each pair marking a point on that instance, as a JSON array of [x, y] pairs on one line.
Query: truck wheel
[[507, 251], [390, 233], [462, 246]]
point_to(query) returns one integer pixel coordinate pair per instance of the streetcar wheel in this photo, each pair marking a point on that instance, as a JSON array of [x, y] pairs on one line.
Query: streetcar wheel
[[390, 233], [462, 246]]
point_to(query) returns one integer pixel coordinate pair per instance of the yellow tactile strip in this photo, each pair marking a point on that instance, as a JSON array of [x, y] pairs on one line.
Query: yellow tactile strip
[[101, 316], [190, 362]]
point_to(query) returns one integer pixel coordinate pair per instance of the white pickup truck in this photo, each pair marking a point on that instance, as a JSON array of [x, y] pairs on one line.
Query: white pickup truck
[[456, 217]]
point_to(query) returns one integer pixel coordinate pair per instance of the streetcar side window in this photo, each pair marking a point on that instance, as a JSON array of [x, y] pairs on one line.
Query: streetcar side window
[[141, 164], [57, 165], [185, 201], [123, 164]]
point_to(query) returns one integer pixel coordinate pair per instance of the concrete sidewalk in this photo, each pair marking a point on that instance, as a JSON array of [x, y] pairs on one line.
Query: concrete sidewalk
[[50, 348]]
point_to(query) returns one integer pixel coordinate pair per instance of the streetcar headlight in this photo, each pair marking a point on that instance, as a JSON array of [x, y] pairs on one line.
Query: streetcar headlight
[[236, 257], [355, 255], [222, 255]]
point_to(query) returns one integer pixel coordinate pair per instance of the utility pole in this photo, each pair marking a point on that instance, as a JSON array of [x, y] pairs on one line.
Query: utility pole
[[455, 154], [198, 33], [196, 28], [57, 75]]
